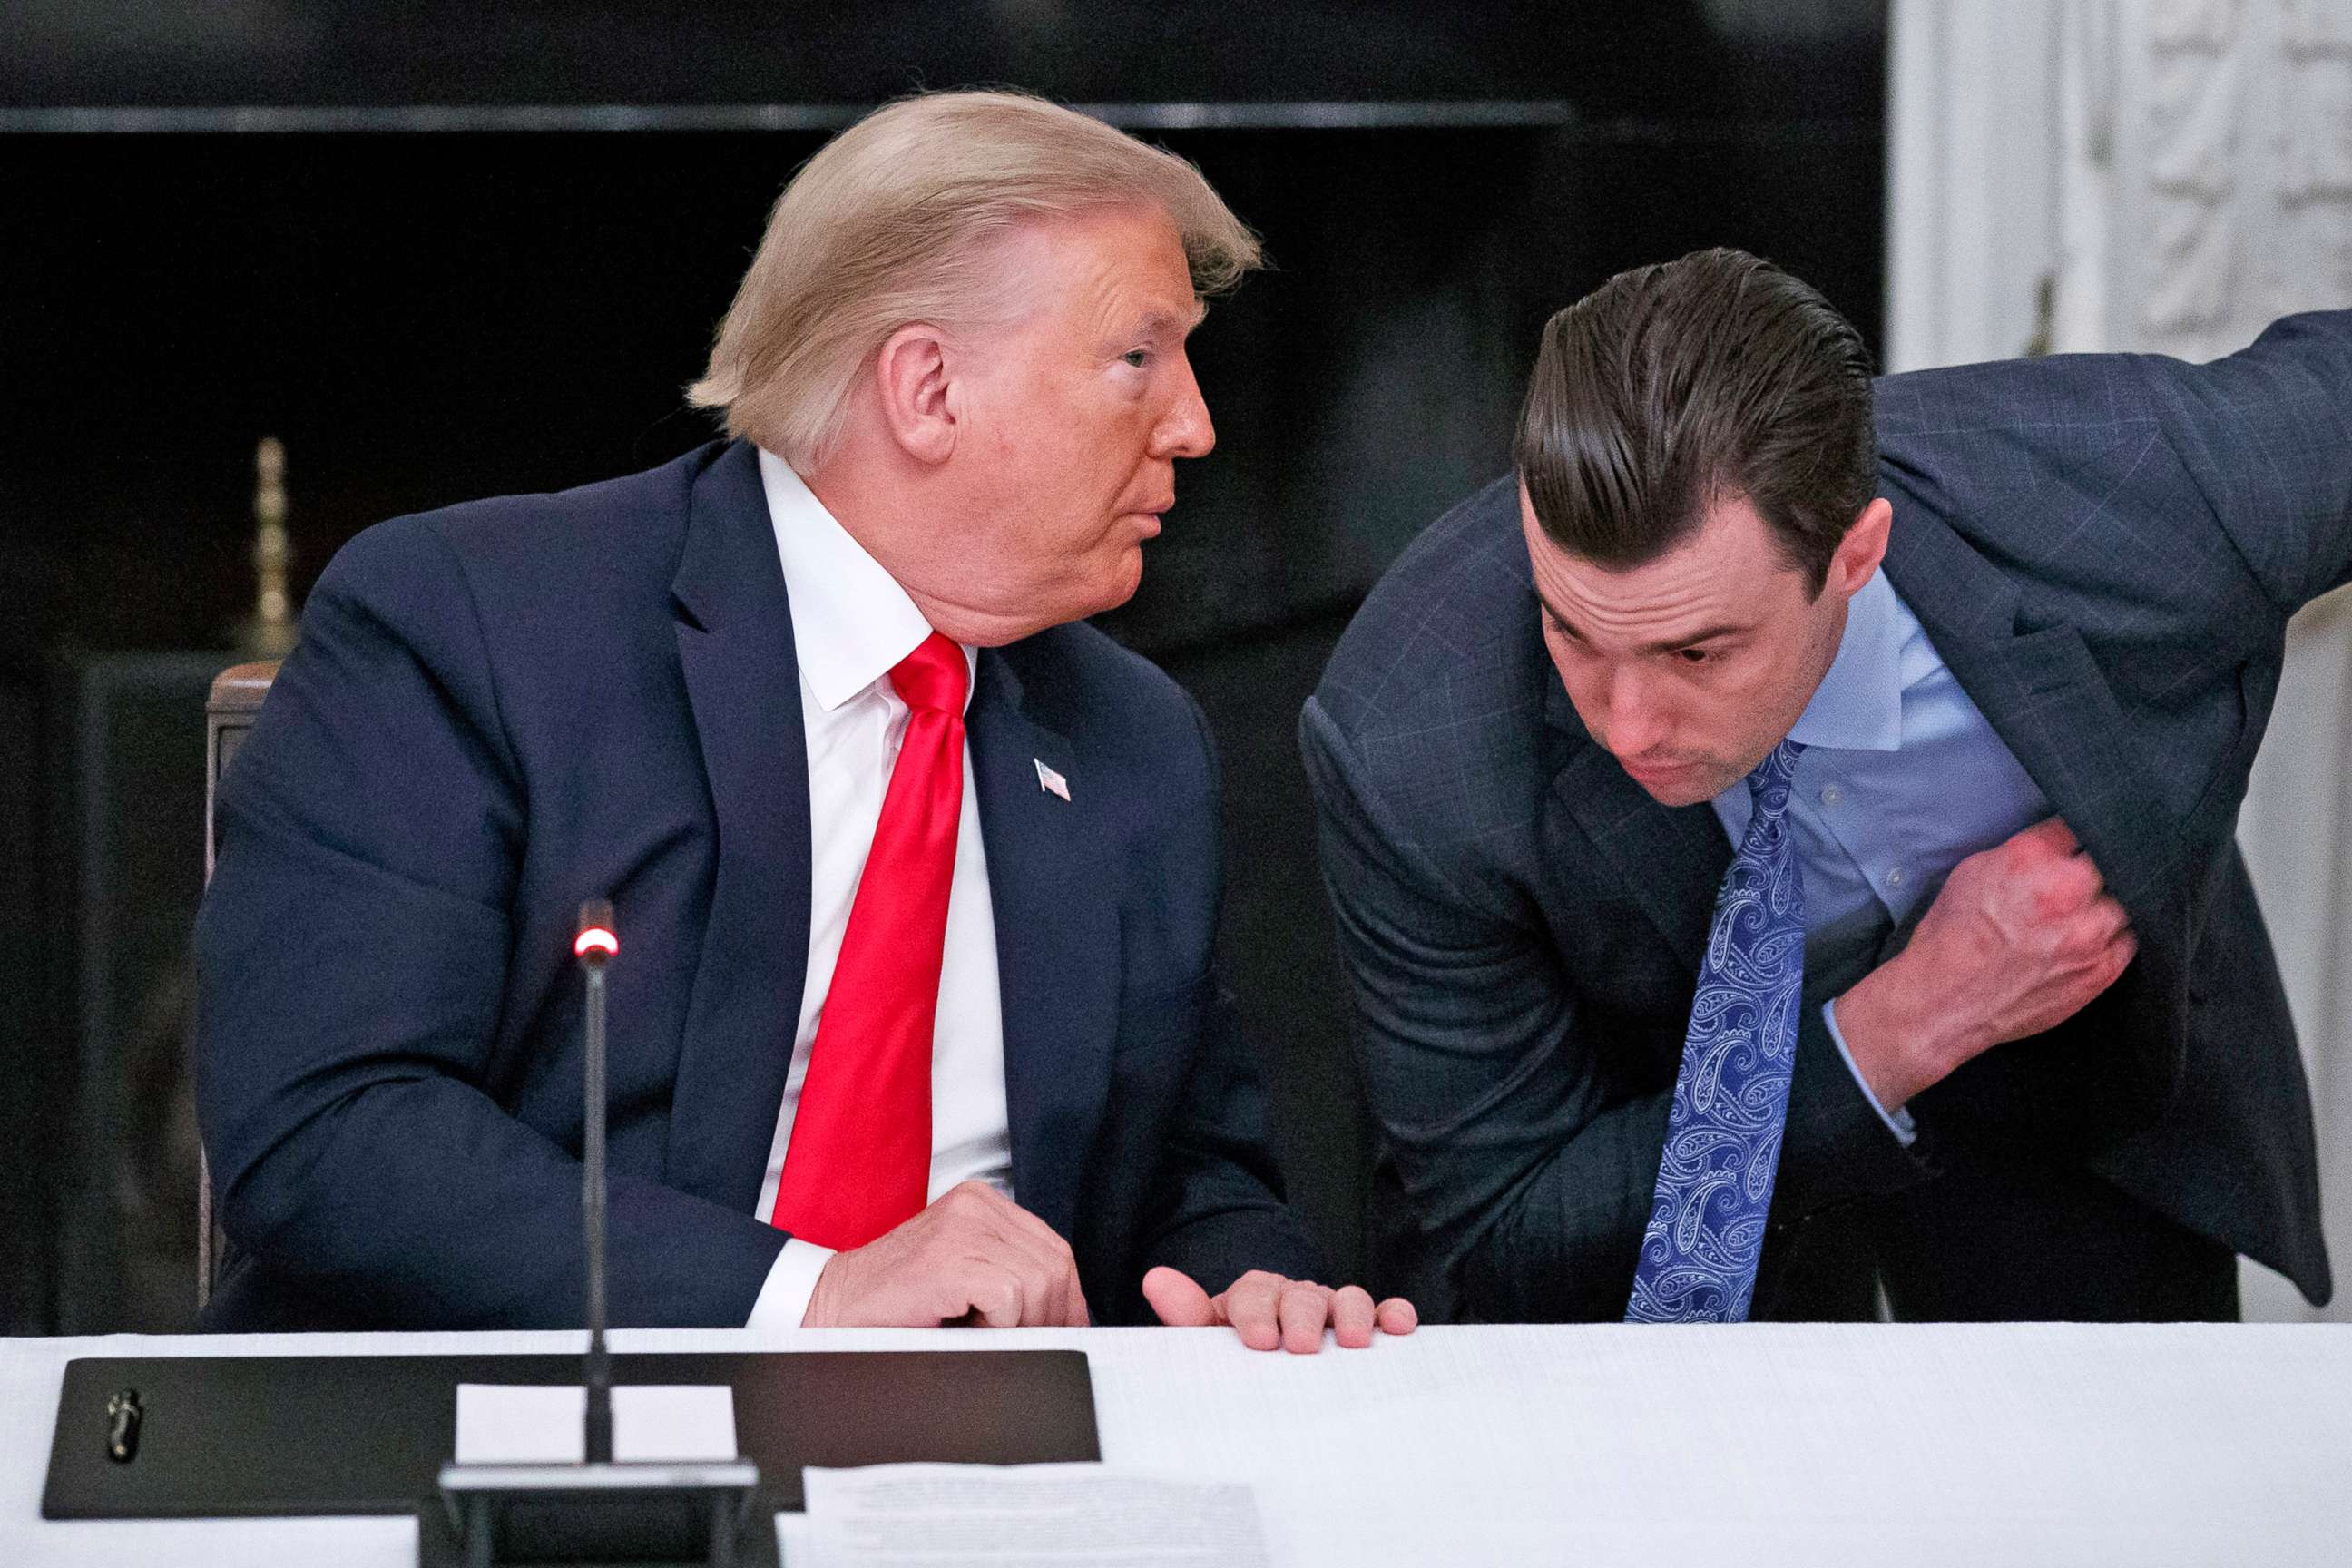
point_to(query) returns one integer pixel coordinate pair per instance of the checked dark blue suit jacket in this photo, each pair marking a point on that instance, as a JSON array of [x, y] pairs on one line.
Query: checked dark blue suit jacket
[[502, 709], [2105, 551]]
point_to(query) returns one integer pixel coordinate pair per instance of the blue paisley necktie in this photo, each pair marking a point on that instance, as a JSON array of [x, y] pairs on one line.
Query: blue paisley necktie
[[1731, 1096]]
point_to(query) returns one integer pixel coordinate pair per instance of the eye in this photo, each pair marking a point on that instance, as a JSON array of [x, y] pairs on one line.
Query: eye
[[1139, 358], [1693, 655]]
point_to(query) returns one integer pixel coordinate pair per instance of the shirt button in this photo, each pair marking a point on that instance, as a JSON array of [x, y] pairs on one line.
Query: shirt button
[[1895, 877], [1831, 794]]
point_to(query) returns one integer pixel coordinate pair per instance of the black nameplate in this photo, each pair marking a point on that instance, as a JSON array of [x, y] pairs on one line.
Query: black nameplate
[[268, 1435]]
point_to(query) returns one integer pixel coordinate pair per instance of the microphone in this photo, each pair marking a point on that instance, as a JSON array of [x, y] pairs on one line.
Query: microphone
[[596, 946], [598, 1511]]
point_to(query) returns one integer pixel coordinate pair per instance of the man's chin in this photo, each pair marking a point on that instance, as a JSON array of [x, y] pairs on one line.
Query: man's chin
[[1683, 797], [1685, 784], [1124, 582], [1079, 600]]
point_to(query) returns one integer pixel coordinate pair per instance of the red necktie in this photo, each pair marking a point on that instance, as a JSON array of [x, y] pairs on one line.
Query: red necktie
[[859, 1162]]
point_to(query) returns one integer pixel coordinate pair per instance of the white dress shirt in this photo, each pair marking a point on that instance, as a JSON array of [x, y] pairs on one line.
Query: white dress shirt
[[851, 622]]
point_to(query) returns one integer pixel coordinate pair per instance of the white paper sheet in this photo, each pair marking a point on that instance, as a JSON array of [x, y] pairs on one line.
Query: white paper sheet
[[512, 1424], [1034, 1515]]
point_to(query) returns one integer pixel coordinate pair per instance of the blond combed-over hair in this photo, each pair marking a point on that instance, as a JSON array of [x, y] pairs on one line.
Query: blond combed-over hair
[[891, 224]]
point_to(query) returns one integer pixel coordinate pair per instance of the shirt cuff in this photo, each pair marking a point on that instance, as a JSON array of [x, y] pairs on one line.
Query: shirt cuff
[[1898, 1120], [784, 1297]]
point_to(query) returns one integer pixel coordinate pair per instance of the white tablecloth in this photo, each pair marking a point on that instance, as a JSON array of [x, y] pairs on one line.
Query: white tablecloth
[[1805, 1445]]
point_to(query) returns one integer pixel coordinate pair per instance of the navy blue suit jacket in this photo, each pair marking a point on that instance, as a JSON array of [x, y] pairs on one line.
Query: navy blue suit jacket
[[502, 709], [2105, 551]]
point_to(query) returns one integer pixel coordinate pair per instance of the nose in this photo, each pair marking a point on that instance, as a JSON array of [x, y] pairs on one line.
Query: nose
[[1636, 720], [1185, 430]]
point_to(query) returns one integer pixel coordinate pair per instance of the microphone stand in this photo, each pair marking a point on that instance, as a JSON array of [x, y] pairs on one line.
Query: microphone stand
[[595, 946], [596, 1511]]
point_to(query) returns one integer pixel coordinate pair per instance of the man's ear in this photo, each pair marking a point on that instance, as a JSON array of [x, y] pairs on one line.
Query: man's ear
[[910, 378], [1861, 549]]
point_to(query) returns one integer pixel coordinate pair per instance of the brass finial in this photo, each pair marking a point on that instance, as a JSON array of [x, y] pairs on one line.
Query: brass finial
[[269, 633]]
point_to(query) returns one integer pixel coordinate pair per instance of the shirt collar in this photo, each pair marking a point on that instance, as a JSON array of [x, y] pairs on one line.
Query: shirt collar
[[1858, 706], [851, 621]]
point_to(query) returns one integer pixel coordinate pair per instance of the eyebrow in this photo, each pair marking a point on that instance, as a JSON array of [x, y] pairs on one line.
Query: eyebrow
[[1157, 323], [1663, 645]]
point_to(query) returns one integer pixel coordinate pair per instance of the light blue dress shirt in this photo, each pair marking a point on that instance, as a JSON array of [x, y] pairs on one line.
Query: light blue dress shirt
[[1901, 779]]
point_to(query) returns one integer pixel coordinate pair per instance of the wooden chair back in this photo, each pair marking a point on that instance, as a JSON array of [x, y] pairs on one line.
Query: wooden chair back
[[229, 712]]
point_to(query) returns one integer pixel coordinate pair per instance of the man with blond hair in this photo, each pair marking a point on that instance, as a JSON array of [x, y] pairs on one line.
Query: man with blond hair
[[916, 878]]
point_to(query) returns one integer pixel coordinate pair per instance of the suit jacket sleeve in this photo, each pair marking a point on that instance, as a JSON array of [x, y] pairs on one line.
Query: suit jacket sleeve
[[352, 953], [1524, 1167], [1218, 1209], [2265, 438], [2242, 465]]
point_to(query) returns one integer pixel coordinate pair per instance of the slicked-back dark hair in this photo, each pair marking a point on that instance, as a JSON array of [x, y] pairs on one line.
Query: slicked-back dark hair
[[1671, 386]]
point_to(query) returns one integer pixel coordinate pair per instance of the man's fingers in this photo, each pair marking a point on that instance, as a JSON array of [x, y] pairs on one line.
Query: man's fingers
[[1031, 1248], [1250, 1306], [2103, 923], [979, 1206], [1050, 1297], [986, 1294], [2119, 956], [2050, 833], [1396, 1316], [1050, 1273], [1012, 1221], [1351, 1316], [1064, 1299], [1061, 1296], [2083, 878], [1179, 1302], [1302, 1310], [1007, 1291]]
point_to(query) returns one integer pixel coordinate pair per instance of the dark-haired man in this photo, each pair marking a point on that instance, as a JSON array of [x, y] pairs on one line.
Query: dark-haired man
[[1736, 927]]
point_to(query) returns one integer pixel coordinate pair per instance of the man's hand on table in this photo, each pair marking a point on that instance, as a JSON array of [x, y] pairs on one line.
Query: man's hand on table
[[1269, 1311], [973, 1256]]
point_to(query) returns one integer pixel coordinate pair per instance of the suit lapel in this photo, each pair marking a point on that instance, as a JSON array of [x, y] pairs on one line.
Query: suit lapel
[[1058, 938], [2044, 695], [735, 647], [1671, 860], [2045, 698]]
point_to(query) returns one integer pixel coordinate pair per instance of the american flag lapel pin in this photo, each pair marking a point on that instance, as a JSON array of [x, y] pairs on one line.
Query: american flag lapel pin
[[1051, 782]]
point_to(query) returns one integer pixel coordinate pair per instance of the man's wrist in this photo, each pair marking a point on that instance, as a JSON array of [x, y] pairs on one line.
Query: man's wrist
[[784, 1299], [1897, 1119], [1892, 1046], [799, 1269], [819, 1314]]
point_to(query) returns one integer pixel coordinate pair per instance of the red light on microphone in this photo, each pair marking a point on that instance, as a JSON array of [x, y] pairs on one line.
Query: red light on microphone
[[595, 941]]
